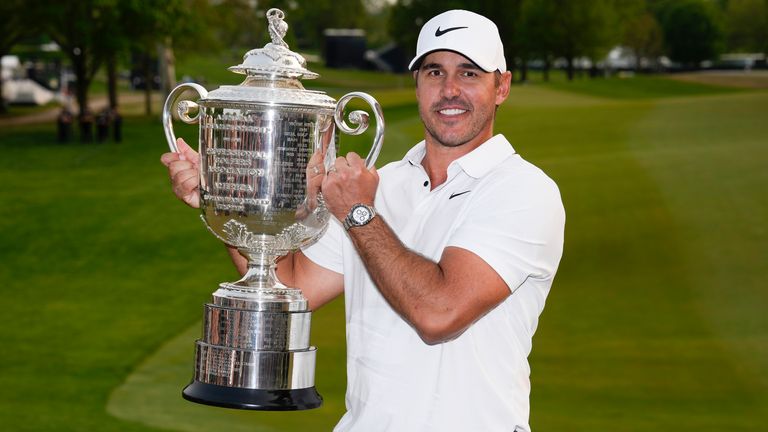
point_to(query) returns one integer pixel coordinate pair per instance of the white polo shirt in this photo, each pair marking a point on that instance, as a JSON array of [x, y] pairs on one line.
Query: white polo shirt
[[506, 211]]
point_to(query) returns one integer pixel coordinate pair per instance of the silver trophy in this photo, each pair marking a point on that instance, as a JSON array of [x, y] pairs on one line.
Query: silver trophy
[[259, 142]]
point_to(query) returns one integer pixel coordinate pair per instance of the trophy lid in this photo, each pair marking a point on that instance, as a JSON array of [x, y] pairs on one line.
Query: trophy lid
[[273, 73], [275, 59]]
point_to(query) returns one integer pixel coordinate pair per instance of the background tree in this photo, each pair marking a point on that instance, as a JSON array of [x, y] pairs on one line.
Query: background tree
[[311, 18], [644, 36], [154, 22], [110, 44], [692, 30], [14, 26], [637, 29], [78, 26], [534, 35], [747, 25], [377, 22], [507, 16], [569, 30], [586, 28], [236, 24], [408, 16]]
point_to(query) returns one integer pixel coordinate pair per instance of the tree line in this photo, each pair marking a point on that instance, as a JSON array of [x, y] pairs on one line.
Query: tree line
[[103, 34], [100, 35], [686, 31], [94, 34]]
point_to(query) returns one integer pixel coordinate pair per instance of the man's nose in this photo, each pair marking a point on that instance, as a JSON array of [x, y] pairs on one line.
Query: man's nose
[[451, 88]]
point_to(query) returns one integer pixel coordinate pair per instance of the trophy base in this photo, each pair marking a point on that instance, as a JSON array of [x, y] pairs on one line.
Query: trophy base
[[252, 399]]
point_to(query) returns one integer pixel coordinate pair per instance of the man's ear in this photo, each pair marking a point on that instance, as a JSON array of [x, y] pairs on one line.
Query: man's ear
[[502, 91]]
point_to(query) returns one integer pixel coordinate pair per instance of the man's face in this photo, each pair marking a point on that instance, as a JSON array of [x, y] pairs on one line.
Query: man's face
[[457, 99]]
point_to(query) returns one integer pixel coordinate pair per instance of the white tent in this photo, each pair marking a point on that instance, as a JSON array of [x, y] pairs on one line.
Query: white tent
[[25, 91], [20, 90]]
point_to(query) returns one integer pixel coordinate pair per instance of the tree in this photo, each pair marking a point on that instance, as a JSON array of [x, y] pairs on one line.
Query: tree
[[507, 14], [77, 26], [570, 28], [536, 40], [747, 25], [153, 23], [92, 33], [643, 35], [591, 31], [236, 24], [240, 24], [310, 19], [692, 32], [14, 26], [110, 44]]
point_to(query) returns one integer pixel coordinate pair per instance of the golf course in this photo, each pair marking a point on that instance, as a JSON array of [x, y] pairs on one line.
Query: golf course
[[656, 319]]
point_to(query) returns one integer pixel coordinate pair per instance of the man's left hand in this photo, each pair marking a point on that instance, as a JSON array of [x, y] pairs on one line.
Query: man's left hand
[[347, 183]]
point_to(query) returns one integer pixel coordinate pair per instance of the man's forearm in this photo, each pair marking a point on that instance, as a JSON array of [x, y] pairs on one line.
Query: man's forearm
[[414, 286], [240, 262]]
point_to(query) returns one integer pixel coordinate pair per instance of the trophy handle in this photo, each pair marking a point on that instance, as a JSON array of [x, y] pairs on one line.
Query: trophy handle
[[360, 118], [182, 108]]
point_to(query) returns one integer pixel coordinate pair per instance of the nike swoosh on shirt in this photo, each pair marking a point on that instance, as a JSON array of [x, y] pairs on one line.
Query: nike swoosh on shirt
[[439, 32], [454, 195]]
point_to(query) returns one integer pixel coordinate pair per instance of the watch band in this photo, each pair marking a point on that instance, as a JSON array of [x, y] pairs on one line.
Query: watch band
[[359, 215]]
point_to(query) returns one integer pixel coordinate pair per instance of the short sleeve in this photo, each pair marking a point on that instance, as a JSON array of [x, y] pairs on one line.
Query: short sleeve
[[327, 251], [517, 227]]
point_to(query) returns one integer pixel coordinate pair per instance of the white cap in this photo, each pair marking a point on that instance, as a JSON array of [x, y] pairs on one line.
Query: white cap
[[467, 33]]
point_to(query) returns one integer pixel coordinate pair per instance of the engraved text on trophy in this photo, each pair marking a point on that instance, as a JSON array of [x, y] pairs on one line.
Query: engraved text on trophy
[[254, 167]]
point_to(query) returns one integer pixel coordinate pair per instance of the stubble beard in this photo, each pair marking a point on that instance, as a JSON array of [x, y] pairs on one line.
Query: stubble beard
[[477, 122]]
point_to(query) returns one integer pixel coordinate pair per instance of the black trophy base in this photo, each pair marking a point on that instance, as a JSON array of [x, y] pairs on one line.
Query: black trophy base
[[252, 399]]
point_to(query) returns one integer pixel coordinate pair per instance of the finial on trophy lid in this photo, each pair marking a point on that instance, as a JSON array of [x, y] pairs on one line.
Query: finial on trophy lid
[[274, 62], [277, 27]]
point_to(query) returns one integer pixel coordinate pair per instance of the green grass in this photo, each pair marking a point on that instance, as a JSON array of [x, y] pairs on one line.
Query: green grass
[[656, 317], [655, 321], [23, 110], [637, 87]]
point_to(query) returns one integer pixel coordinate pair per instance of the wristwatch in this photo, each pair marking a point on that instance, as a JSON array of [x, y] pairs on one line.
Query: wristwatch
[[359, 215]]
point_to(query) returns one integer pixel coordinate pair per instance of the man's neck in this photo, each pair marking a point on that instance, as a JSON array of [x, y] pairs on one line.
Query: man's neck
[[438, 157]]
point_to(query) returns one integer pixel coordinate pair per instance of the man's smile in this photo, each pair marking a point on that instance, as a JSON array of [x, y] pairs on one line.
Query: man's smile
[[452, 111]]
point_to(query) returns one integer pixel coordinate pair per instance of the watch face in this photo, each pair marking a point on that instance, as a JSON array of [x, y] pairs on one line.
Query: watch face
[[361, 215]]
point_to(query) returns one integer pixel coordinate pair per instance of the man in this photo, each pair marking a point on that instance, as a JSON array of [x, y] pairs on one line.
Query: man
[[445, 258]]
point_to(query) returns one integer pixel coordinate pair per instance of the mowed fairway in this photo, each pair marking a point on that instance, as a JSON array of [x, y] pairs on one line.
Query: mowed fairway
[[655, 321]]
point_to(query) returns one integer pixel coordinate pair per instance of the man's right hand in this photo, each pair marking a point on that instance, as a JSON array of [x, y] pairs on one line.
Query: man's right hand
[[184, 170]]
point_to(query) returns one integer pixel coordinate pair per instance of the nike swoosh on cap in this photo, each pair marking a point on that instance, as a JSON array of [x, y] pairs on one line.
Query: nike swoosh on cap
[[454, 195], [439, 32]]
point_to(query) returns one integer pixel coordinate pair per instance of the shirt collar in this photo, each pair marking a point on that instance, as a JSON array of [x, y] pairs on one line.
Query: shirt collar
[[476, 163], [416, 154], [483, 159]]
